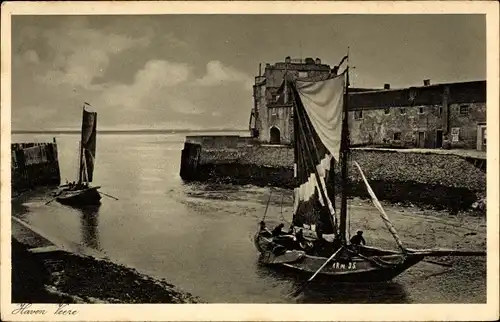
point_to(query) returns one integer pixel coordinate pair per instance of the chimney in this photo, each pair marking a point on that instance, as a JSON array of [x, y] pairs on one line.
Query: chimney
[[288, 59], [318, 61], [387, 86], [427, 82]]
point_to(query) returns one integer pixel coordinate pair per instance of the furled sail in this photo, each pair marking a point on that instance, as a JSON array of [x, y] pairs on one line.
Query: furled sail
[[318, 111], [88, 145]]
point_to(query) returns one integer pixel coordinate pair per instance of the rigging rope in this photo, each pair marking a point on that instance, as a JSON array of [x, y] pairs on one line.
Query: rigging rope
[[267, 206], [281, 212]]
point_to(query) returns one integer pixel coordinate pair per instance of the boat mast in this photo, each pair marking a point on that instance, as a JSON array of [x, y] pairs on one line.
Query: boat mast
[[344, 154], [83, 168], [285, 99]]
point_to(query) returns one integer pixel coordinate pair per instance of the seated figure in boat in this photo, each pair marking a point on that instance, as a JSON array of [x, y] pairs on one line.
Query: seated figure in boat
[[285, 239], [323, 247], [278, 230], [263, 230], [302, 242], [358, 239]]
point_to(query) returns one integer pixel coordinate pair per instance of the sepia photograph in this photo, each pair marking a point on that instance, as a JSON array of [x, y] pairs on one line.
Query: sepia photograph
[[254, 156]]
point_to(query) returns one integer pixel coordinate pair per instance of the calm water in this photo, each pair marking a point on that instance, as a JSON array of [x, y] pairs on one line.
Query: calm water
[[199, 237]]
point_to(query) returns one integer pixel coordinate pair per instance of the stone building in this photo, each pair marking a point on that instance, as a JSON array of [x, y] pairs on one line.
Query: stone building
[[271, 118], [430, 116]]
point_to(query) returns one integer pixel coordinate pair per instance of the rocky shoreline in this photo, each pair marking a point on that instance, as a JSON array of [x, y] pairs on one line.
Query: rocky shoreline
[[428, 178], [62, 277]]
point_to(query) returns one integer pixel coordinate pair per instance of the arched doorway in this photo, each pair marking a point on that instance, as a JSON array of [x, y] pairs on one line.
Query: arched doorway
[[274, 135]]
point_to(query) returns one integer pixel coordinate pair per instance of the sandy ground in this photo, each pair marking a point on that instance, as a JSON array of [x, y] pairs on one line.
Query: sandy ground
[[74, 278], [459, 152], [418, 228]]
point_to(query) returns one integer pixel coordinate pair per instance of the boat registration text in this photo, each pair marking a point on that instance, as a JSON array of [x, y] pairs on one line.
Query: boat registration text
[[337, 265]]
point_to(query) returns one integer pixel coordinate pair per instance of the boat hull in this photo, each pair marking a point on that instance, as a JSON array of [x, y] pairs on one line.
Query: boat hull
[[80, 197], [377, 266]]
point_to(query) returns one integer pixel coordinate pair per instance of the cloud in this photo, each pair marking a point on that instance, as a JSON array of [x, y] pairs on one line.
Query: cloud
[[218, 74], [165, 85], [63, 66], [155, 86], [30, 56], [82, 54], [161, 73]]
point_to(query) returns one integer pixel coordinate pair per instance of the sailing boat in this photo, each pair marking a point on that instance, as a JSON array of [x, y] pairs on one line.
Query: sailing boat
[[81, 193], [321, 139]]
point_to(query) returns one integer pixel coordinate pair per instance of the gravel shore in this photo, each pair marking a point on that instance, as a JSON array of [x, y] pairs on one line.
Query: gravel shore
[[62, 277]]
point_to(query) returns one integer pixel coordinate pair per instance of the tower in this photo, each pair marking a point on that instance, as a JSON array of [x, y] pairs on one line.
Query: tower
[[271, 119]]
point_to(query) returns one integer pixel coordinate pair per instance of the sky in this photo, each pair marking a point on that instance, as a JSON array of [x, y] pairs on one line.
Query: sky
[[197, 71]]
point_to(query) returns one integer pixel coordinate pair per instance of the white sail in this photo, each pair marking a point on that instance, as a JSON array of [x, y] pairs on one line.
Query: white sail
[[323, 102], [318, 111]]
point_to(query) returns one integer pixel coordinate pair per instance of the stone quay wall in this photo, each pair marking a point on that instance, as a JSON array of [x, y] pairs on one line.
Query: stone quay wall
[[435, 178], [34, 165]]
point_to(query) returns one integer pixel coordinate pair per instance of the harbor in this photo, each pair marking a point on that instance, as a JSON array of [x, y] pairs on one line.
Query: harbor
[[154, 199], [214, 165]]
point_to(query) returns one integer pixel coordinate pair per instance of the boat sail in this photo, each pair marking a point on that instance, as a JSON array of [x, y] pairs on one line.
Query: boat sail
[[81, 193], [88, 146], [321, 140]]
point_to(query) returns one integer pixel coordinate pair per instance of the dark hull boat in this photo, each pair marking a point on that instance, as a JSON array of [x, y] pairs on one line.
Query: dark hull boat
[[321, 142], [80, 197], [375, 265], [82, 193]]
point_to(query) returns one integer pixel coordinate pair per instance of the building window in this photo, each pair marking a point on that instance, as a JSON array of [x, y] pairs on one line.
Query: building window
[[464, 110], [421, 110], [397, 136], [387, 111], [358, 115], [402, 110], [440, 110]]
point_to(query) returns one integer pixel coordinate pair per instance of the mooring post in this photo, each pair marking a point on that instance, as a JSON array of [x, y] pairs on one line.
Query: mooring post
[[189, 160]]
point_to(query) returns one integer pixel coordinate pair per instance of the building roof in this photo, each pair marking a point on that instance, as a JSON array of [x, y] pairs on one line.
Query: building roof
[[465, 92]]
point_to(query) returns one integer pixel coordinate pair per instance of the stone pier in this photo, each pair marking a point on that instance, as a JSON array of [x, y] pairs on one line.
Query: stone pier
[[446, 179], [34, 165]]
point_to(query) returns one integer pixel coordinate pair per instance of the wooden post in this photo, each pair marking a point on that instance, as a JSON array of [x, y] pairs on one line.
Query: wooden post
[[190, 158]]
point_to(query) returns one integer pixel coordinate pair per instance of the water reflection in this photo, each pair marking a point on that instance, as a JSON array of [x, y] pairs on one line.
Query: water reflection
[[345, 293], [89, 218]]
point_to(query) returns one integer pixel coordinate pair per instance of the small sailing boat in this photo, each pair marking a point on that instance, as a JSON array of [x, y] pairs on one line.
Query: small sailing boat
[[81, 193], [321, 139]]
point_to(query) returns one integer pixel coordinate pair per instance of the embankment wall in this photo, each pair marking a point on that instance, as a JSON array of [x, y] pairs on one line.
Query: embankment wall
[[440, 180], [34, 165]]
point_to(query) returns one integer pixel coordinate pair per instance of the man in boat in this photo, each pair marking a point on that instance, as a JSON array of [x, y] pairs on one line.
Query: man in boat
[[278, 230], [263, 230], [301, 241], [358, 239], [283, 238], [323, 247]]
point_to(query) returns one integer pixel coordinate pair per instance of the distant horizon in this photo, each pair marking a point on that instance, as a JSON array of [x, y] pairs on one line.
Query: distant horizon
[[76, 131]]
